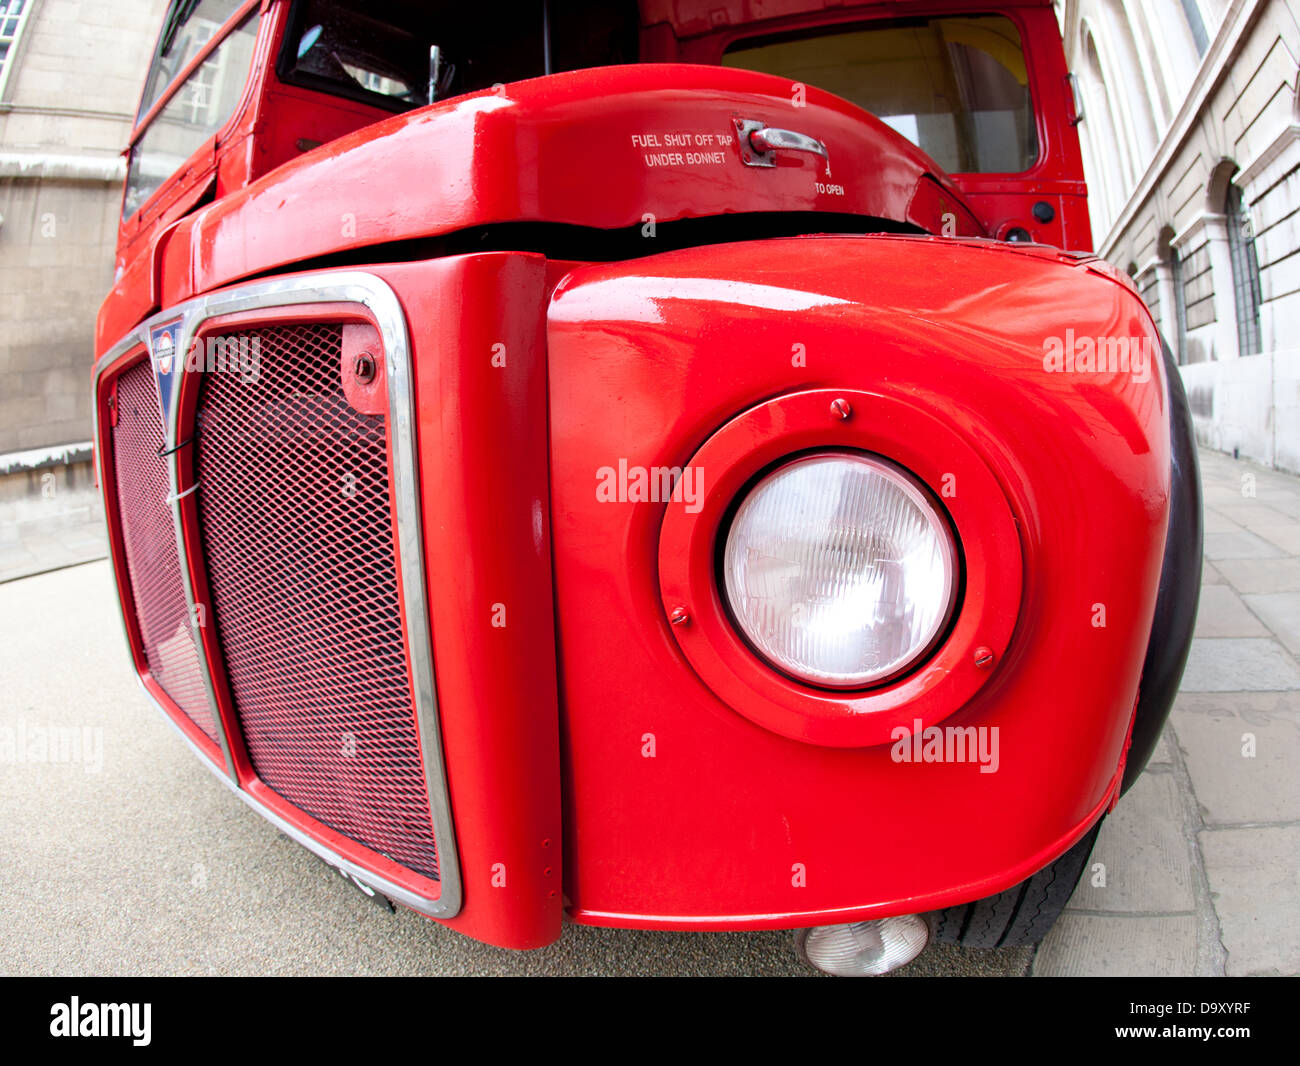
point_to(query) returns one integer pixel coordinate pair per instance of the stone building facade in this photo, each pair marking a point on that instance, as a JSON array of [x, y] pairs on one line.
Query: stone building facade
[[1191, 141], [71, 73], [1190, 132]]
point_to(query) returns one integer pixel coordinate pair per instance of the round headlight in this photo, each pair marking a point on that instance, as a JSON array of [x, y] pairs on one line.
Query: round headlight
[[839, 569]]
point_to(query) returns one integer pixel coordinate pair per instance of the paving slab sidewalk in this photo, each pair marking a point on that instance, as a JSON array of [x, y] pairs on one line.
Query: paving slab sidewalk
[[1197, 871], [49, 535]]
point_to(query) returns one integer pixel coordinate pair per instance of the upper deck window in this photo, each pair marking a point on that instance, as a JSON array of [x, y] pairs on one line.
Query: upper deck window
[[955, 87], [198, 107]]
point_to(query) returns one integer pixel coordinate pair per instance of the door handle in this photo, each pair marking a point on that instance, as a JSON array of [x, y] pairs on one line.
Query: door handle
[[759, 143]]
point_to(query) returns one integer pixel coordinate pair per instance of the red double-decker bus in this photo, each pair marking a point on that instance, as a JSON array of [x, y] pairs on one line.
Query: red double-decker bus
[[663, 464]]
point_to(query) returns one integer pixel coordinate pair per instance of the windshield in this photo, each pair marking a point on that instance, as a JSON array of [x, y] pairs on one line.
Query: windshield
[[955, 87], [401, 55], [189, 26], [198, 107]]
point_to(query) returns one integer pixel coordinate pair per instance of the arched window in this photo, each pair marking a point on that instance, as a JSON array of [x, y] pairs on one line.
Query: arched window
[[1245, 272], [1109, 174], [1180, 305], [1173, 298], [1134, 96], [1192, 12]]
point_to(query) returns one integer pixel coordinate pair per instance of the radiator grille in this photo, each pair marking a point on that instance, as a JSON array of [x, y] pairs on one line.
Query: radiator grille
[[294, 519], [150, 540]]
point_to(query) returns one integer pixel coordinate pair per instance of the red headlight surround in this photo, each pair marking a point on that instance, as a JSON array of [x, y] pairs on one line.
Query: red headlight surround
[[898, 430]]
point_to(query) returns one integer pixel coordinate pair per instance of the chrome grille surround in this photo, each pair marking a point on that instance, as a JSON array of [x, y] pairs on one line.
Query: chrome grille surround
[[373, 294]]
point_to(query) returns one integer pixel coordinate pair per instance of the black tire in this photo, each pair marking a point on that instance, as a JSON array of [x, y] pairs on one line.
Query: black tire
[[1022, 914]]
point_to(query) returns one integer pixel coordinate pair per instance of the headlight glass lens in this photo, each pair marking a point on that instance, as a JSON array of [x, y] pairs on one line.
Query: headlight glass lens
[[840, 570]]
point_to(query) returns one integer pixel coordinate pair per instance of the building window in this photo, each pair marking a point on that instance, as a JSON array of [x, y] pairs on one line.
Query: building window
[[13, 14], [1192, 12], [1110, 174], [1180, 306], [1245, 273]]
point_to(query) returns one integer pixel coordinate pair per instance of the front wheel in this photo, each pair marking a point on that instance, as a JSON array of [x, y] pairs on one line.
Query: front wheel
[[1023, 913]]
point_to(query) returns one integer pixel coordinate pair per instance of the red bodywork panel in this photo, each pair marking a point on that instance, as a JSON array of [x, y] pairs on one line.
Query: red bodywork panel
[[648, 361], [484, 463], [563, 151], [761, 803]]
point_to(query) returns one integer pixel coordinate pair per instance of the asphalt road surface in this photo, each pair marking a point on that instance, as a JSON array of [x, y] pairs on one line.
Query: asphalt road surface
[[136, 860]]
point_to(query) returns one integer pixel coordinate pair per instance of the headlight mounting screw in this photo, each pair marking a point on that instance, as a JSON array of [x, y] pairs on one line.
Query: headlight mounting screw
[[680, 616], [983, 657], [841, 409]]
